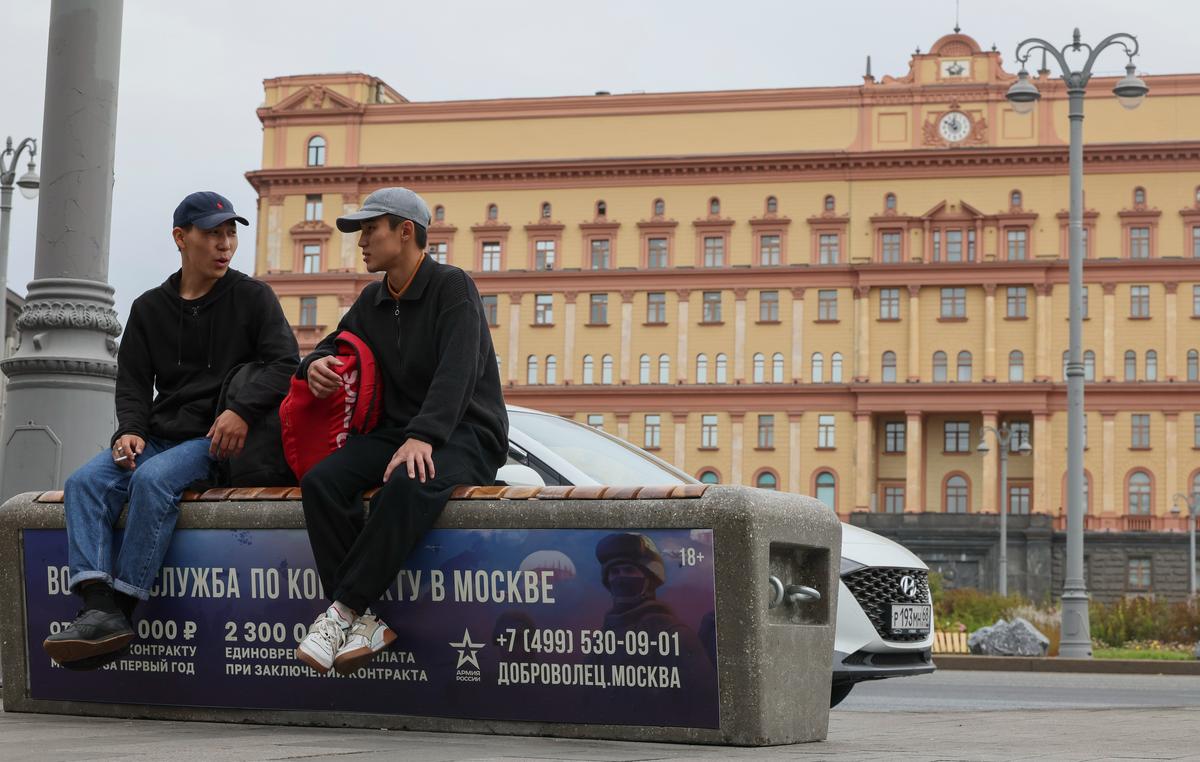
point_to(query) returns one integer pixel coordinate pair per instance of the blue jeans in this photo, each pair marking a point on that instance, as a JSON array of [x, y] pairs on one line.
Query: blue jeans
[[95, 494]]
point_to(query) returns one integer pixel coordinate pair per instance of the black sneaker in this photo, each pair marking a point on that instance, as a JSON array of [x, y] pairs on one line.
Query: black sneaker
[[90, 663], [93, 633]]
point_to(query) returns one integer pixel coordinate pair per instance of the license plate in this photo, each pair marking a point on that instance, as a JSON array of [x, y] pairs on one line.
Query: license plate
[[907, 617]]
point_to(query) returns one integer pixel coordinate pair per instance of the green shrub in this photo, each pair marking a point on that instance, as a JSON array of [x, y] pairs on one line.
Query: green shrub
[[1143, 619], [969, 609]]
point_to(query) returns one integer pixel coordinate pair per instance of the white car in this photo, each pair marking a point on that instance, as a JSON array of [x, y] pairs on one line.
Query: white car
[[884, 617]]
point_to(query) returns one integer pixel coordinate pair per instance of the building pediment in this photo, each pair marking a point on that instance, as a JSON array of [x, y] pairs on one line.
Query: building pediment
[[311, 229], [316, 98]]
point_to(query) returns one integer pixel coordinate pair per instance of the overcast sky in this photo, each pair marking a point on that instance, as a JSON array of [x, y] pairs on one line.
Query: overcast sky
[[191, 74]]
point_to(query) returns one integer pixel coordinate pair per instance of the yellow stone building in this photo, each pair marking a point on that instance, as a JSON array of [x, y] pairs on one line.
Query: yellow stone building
[[824, 290]]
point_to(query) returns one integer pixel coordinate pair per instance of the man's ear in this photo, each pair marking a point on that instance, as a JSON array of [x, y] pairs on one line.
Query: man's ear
[[177, 234]]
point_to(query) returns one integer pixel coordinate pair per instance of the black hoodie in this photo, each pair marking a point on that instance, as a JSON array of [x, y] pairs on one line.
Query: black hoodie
[[184, 349]]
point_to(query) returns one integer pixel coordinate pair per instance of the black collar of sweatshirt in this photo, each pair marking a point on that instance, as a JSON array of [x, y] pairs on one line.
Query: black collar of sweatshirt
[[415, 289]]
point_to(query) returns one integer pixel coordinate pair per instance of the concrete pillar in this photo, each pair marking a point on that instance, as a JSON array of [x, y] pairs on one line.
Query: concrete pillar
[[914, 335], [685, 363], [797, 334], [568, 361], [738, 421], [739, 338], [1173, 485], [515, 364], [991, 464], [914, 463], [864, 461], [1041, 462], [62, 377], [350, 258], [989, 332], [626, 334], [679, 419], [862, 333], [1110, 331], [623, 426], [793, 456], [275, 233], [1171, 350], [1042, 333], [1108, 476]]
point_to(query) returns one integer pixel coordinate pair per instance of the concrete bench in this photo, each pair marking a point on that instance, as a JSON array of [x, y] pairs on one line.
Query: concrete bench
[[504, 623]]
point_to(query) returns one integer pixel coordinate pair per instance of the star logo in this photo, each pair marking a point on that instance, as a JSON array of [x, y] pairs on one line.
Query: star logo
[[467, 650]]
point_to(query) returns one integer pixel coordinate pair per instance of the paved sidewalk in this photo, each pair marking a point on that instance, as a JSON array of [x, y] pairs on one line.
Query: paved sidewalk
[[1066, 736]]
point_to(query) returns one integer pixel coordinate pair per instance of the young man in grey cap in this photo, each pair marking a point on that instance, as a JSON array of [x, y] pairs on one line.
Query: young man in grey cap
[[443, 424], [181, 341]]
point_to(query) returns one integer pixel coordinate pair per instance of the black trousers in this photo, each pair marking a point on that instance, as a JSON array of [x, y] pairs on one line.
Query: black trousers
[[359, 554]]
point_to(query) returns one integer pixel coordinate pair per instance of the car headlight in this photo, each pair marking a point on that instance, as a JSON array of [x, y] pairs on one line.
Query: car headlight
[[849, 566]]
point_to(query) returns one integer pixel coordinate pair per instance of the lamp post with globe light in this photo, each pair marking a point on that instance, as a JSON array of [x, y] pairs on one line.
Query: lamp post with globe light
[[1023, 95], [28, 183], [1004, 436]]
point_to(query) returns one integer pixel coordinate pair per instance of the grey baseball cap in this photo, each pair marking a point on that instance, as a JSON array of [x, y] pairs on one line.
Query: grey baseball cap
[[398, 201]]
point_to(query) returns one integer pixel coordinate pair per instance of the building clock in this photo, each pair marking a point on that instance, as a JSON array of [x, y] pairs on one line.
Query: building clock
[[954, 126]]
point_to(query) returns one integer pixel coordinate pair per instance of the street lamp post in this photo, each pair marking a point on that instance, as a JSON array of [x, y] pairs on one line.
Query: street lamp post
[[28, 183], [1023, 95], [1193, 507], [1003, 436]]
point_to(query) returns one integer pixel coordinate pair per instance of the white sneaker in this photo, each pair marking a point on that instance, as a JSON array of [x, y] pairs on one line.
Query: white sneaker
[[324, 639], [366, 638]]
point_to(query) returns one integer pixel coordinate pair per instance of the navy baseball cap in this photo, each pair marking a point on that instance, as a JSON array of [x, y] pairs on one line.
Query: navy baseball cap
[[205, 210]]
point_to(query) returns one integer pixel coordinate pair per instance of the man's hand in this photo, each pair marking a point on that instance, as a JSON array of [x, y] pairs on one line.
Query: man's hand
[[323, 378], [416, 456], [126, 449], [228, 435]]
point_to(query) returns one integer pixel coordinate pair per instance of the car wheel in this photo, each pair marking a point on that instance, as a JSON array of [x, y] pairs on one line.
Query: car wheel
[[838, 692]]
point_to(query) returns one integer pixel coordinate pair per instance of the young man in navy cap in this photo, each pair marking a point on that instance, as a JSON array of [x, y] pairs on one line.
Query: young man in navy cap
[[182, 340], [443, 424]]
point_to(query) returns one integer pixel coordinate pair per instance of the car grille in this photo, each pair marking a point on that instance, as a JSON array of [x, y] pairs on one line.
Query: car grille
[[876, 589]]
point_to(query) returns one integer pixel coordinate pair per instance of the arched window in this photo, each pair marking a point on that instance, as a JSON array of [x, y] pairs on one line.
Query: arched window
[[1016, 365], [664, 369], [709, 476], [660, 207], [766, 480], [760, 368], [606, 364], [722, 369], [772, 205], [957, 494], [1089, 366], [1130, 365], [439, 213], [1193, 365], [601, 208], [829, 204], [714, 205], [889, 367], [1151, 365], [546, 210], [827, 489], [777, 368], [316, 151], [964, 366], [493, 212], [835, 368], [889, 202], [818, 368], [939, 366], [551, 369], [1139, 196], [1014, 199], [1139, 494], [531, 370], [644, 369], [702, 369], [589, 370]]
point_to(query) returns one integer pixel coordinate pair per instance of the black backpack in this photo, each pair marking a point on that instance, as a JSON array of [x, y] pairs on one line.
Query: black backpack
[[261, 462]]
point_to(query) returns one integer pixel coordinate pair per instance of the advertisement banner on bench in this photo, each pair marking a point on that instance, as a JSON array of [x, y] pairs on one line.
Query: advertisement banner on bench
[[500, 624]]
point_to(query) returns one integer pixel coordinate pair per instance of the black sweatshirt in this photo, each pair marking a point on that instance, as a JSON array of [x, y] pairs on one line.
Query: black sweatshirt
[[434, 351], [185, 348]]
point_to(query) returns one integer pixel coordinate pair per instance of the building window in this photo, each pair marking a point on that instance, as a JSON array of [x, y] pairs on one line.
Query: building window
[[543, 255], [1140, 572], [493, 212], [714, 205], [777, 368], [439, 213], [954, 246], [1084, 309], [1151, 365], [551, 369], [827, 490], [889, 304], [709, 477], [890, 246], [1139, 494], [656, 253], [889, 202], [702, 369], [1196, 298], [606, 370], [772, 205], [1139, 301], [828, 248], [491, 256], [760, 368], [308, 310], [1196, 242], [644, 369], [827, 304], [491, 309], [894, 433], [546, 211], [939, 366], [817, 373], [652, 438], [722, 369], [601, 209], [543, 309], [768, 250], [600, 254], [1139, 243], [1017, 297], [1139, 196], [660, 207], [656, 307], [531, 370], [710, 307], [826, 432], [954, 303], [835, 368], [957, 494], [316, 151], [1139, 431], [766, 432], [596, 421], [956, 436], [714, 251], [889, 367], [1196, 430], [312, 258], [893, 499], [768, 306], [598, 309], [314, 207], [708, 432], [1014, 199], [1130, 365], [664, 369], [766, 480], [589, 370], [1018, 499], [1018, 239], [1089, 365], [1018, 432], [1193, 365], [829, 204], [964, 366], [438, 251], [1016, 366]]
